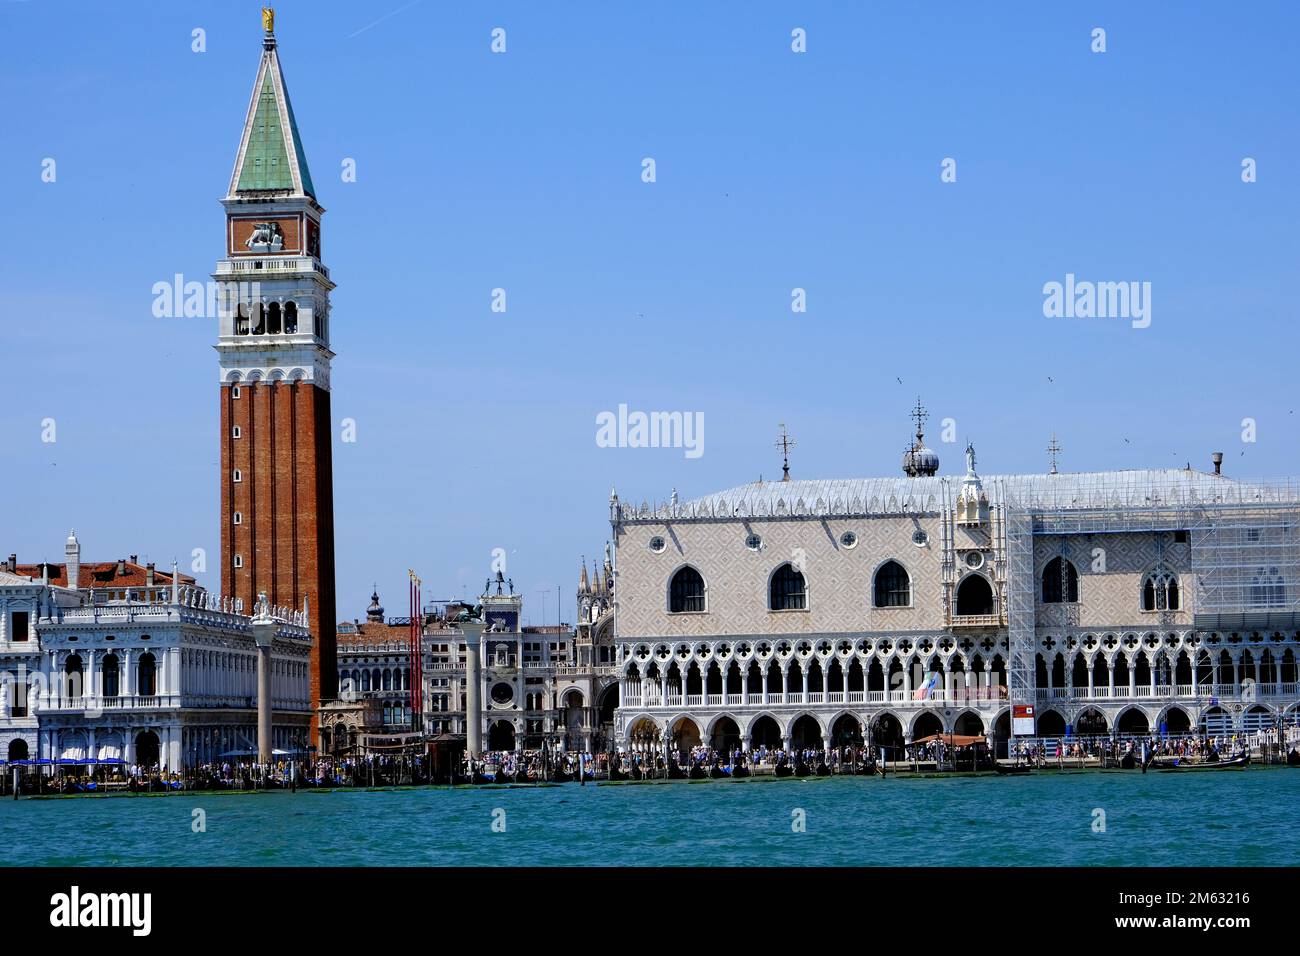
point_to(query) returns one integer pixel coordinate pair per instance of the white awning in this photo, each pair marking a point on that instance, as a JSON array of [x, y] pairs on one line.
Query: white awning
[[73, 747], [109, 748]]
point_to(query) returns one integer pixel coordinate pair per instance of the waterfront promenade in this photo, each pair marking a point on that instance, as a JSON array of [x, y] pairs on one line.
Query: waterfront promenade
[[936, 757]]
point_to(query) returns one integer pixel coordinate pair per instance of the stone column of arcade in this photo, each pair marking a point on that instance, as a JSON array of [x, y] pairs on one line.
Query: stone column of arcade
[[263, 635], [473, 631]]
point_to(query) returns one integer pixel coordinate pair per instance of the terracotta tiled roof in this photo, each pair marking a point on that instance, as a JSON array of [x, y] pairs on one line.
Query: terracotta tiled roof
[[370, 634], [102, 575]]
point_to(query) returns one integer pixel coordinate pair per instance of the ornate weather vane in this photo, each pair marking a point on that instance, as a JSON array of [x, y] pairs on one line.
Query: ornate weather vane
[[785, 443], [1053, 450], [919, 415]]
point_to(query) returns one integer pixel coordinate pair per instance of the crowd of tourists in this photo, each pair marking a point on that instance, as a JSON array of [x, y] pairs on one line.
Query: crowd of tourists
[[360, 771], [838, 759], [518, 766], [1107, 750], [708, 759]]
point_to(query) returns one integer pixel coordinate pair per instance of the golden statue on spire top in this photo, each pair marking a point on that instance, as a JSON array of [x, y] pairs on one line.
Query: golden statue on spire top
[[268, 19]]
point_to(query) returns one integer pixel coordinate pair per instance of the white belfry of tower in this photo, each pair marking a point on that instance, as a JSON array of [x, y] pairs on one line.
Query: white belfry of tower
[[274, 321]]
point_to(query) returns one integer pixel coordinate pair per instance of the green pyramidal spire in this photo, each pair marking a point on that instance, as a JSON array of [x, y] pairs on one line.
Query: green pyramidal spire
[[271, 157]]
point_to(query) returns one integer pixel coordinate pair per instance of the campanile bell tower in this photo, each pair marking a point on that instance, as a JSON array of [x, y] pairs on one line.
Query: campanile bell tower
[[277, 495]]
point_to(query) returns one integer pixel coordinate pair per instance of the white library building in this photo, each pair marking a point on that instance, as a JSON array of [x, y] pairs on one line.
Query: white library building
[[118, 665]]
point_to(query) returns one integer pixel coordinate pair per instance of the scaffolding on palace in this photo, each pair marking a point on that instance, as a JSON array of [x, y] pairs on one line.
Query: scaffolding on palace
[[1244, 538], [1018, 542]]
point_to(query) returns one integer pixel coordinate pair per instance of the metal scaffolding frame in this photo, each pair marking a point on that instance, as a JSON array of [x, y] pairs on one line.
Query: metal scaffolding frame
[[1244, 538], [1018, 543], [1246, 561]]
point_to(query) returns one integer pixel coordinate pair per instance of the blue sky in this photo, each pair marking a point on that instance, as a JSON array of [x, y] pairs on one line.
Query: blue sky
[[775, 170]]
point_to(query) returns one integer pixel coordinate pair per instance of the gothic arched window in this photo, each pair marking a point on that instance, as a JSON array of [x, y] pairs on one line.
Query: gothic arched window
[[974, 595], [686, 591], [787, 590], [1267, 588], [1060, 582], [1160, 591], [893, 587]]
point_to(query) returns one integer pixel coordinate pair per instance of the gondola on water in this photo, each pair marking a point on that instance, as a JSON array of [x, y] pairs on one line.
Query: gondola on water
[[717, 773], [783, 769], [698, 772], [1177, 764], [1013, 769]]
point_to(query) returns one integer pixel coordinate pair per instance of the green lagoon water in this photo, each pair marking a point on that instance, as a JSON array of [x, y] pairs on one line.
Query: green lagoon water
[[1196, 819]]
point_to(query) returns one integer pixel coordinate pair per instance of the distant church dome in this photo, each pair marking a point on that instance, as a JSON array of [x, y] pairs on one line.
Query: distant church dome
[[919, 461], [375, 612]]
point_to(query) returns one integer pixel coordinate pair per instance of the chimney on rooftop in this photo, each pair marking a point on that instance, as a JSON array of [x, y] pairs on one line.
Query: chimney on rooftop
[[121, 567], [72, 558], [1217, 458], [13, 563], [148, 575]]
